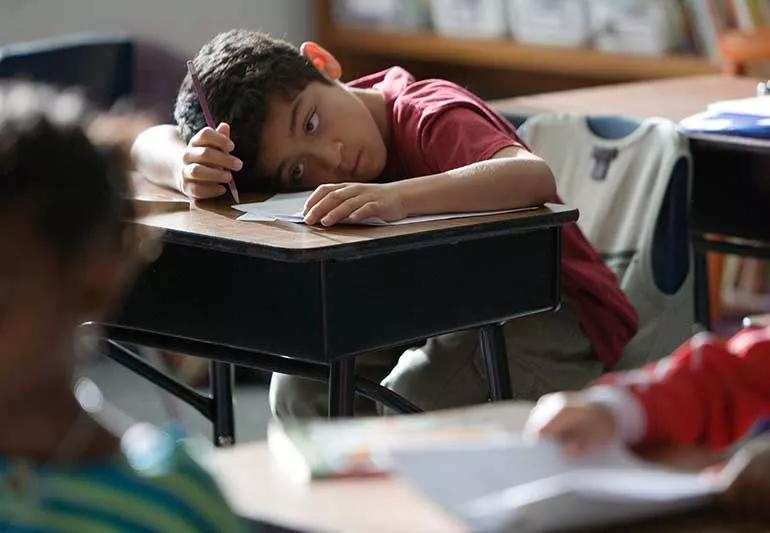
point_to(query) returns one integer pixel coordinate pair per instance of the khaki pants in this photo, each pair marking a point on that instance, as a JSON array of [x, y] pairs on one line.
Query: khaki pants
[[546, 353]]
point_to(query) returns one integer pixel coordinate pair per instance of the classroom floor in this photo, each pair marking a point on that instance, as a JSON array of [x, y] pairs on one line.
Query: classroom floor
[[142, 401]]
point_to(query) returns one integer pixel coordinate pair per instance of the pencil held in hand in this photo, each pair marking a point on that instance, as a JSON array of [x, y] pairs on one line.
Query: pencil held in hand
[[209, 118]]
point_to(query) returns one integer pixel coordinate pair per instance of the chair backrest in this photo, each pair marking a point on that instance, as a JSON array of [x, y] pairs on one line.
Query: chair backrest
[[630, 179], [102, 66]]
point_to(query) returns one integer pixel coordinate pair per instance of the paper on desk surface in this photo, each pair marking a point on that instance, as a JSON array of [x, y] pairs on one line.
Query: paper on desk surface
[[289, 207], [522, 486]]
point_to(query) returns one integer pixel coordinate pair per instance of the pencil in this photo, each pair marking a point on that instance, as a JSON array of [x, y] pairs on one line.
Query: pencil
[[209, 118]]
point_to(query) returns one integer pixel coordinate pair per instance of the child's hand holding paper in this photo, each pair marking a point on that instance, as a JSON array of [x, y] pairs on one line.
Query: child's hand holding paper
[[354, 202]]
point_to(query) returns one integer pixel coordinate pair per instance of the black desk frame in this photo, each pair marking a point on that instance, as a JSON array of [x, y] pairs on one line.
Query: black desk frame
[[310, 312], [730, 208]]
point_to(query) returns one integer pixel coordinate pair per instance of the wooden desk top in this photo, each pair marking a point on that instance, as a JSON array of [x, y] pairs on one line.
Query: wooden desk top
[[674, 98], [257, 488], [211, 224]]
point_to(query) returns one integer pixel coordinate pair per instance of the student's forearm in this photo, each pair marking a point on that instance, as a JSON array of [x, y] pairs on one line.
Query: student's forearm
[[499, 183], [719, 389], [157, 154]]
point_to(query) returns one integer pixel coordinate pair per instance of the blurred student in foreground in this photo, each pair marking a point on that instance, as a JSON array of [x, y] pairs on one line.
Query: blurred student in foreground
[[66, 254]]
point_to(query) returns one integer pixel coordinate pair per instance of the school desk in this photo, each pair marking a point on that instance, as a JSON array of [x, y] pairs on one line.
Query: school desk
[[306, 300], [730, 195], [256, 487]]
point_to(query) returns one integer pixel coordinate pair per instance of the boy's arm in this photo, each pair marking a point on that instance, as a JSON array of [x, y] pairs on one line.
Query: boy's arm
[[511, 178], [198, 169], [468, 161], [707, 393], [157, 154]]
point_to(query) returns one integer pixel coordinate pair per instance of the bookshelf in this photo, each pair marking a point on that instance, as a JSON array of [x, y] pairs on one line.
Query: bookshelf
[[492, 67]]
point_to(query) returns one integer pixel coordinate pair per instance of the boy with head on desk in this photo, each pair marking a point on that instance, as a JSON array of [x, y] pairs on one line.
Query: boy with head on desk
[[698, 403], [67, 253], [386, 146]]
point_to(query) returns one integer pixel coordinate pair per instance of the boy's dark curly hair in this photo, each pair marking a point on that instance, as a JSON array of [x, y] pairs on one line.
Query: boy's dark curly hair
[[62, 167], [240, 71]]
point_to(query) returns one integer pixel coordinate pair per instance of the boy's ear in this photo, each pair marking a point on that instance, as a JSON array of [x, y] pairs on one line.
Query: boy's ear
[[322, 60]]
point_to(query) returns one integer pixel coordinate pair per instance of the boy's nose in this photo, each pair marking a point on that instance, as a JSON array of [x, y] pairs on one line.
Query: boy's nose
[[331, 155]]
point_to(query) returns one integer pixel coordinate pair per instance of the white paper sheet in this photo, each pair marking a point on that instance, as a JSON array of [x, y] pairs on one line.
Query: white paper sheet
[[289, 207], [521, 486]]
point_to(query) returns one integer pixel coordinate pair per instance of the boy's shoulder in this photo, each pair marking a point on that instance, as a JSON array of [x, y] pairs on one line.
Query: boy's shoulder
[[419, 101], [393, 76], [398, 83]]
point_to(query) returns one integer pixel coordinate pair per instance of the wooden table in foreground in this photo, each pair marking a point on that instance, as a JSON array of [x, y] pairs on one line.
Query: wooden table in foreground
[[256, 487]]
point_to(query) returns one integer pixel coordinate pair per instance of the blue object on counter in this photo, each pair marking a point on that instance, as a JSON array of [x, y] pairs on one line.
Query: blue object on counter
[[757, 127]]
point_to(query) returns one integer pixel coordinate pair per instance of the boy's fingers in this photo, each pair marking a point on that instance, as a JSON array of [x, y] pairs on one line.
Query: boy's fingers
[[559, 423], [224, 129], [548, 408], [211, 157], [201, 173], [343, 210], [320, 193], [368, 210], [326, 204], [202, 191], [209, 137]]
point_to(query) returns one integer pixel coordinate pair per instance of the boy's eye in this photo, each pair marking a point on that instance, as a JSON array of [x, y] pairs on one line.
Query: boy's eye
[[313, 121], [296, 175]]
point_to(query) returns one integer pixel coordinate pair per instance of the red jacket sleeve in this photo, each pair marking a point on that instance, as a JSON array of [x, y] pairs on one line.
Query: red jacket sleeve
[[707, 392]]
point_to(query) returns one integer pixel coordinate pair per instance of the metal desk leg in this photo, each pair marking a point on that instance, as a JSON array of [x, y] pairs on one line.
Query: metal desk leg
[[496, 361], [701, 286], [341, 387], [222, 395]]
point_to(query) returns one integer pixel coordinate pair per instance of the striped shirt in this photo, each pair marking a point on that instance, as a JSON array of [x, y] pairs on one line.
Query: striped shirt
[[155, 486]]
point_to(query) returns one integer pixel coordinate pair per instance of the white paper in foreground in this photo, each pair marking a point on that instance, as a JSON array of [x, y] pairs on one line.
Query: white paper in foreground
[[289, 208], [520, 486]]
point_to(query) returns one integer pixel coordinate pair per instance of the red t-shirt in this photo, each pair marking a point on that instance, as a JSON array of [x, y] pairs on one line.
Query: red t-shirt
[[437, 126]]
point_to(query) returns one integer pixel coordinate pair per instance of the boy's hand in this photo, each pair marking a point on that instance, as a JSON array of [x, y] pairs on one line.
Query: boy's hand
[[578, 425], [207, 163], [749, 493], [337, 202]]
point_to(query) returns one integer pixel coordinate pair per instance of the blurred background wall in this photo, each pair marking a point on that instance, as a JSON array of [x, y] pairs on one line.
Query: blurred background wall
[[181, 25], [163, 33]]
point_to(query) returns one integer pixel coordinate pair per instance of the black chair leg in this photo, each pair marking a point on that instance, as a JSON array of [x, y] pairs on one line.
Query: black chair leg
[[222, 394], [496, 361], [341, 387], [701, 286]]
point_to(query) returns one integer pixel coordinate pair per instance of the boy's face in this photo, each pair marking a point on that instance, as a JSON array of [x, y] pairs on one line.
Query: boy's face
[[43, 299], [326, 134], [34, 307]]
